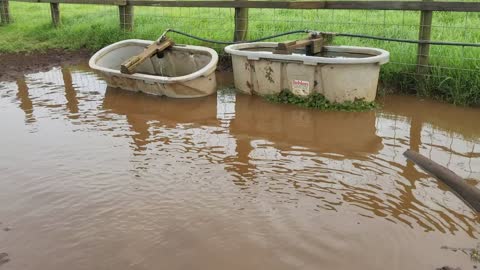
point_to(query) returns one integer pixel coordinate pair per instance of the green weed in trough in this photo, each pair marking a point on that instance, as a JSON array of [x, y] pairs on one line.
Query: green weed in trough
[[318, 101]]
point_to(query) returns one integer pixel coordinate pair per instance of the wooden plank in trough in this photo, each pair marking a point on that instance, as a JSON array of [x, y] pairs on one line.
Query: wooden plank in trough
[[130, 65]]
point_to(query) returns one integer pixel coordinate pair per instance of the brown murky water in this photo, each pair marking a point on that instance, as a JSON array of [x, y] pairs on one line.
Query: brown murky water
[[99, 178]]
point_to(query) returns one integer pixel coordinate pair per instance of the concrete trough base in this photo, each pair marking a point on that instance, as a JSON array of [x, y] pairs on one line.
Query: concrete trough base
[[341, 74]]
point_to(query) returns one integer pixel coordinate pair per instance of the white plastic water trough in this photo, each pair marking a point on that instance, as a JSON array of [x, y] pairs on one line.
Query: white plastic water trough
[[340, 73], [183, 71]]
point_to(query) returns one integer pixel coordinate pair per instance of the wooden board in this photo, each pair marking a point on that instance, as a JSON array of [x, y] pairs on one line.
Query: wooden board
[[312, 46], [129, 66], [94, 2], [362, 5], [350, 5]]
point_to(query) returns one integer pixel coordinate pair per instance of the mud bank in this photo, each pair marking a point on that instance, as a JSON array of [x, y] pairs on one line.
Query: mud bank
[[14, 65]]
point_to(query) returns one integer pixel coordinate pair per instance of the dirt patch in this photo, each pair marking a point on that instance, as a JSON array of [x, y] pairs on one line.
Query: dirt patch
[[15, 65], [224, 63]]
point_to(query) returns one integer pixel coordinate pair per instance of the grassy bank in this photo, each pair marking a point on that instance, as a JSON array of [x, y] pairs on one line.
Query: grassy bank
[[455, 77]]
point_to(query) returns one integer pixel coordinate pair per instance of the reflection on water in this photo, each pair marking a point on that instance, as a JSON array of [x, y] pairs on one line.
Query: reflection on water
[[25, 102], [70, 94], [126, 181]]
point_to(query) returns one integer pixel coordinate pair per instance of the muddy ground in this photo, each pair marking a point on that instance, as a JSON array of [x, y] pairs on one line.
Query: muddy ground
[[17, 64], [13, 65]]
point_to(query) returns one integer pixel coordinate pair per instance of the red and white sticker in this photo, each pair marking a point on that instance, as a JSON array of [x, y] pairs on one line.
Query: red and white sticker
[[300, 87]]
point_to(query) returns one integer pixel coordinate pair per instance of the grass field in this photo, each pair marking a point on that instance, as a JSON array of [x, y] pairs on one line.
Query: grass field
[[455, 72]]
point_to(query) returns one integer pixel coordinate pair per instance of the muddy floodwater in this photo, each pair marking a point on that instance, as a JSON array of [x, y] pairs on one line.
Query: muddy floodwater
[[99, 178]]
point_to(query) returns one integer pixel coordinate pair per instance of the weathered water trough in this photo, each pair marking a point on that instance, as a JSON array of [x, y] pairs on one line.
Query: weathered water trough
[[181, 71], [340, 73]]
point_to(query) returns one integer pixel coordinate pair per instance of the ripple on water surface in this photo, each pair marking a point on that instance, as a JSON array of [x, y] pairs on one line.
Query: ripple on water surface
[[100, 178]]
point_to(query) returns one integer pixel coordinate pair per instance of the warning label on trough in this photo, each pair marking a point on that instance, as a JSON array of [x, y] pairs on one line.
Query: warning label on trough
[[300, 87]]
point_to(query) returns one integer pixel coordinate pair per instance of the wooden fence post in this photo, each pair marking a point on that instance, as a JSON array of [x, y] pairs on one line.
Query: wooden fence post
[[423, 50], [126, 16], [55, 11], [241, 24], [4, 12]]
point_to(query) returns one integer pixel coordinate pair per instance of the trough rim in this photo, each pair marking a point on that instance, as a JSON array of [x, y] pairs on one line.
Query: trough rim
[[379, 56]]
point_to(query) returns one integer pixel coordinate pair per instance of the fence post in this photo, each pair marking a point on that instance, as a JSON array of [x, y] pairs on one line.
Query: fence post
[[55, 11], [126, 16], [423, 50], [4, 12], [241, 24]]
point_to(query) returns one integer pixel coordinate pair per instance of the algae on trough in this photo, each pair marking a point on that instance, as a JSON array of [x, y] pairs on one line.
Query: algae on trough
[[318, 101]]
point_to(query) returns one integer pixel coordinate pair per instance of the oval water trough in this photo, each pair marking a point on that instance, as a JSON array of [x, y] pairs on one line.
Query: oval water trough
[[340, 73], [184, 71]]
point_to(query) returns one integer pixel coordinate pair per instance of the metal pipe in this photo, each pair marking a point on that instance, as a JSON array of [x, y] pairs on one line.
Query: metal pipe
[[469, 194]]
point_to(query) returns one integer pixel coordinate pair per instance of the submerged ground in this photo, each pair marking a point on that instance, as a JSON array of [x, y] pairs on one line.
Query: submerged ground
[[454, 75], [100, 178]]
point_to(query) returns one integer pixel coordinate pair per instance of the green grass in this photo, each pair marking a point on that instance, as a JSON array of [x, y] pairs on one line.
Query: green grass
[[454, 77], [318, 101]]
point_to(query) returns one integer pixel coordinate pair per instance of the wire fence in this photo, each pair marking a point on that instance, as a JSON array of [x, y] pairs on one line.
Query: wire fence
[[451, 71]]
